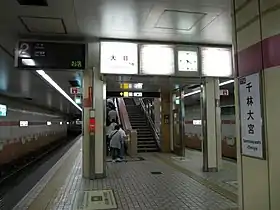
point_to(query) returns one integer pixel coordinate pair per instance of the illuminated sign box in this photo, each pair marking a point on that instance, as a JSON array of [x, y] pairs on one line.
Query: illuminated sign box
[[50, 55], [3, 110], [157, 60], [216, 62], [23, 123], [118, 58]]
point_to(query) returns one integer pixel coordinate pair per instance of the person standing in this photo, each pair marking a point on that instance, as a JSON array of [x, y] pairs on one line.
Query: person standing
[[110, 129], [112, 115], [115, 143], [123, 144]]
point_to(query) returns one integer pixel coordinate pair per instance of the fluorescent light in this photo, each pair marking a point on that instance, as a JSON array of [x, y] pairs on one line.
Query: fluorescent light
[[198, 91], [60, 123], [192, 93], [226, 82], [45, 76], [28, 62], [49, 123]]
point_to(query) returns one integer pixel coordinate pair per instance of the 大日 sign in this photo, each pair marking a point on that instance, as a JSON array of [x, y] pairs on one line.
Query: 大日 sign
[[250, 115]]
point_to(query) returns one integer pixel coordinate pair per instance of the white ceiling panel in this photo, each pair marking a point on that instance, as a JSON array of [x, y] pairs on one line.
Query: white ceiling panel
[[44, 25], [199, 21]]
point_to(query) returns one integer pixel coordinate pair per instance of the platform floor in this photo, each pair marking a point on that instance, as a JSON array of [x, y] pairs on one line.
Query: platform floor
[[223, 182], [148, 184]]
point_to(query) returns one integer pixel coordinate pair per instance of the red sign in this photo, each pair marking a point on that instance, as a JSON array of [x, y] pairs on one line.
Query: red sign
[[75, 90], [92, 125]]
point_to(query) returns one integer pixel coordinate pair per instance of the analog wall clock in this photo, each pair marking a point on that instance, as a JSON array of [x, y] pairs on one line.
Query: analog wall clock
[[187, 60]]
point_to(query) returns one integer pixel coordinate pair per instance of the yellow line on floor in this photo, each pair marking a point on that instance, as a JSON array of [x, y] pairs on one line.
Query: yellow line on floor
[[214, 187], [46, 197]]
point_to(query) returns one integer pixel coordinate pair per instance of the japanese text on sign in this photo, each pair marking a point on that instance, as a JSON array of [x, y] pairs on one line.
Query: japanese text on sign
[[251, 121], [119, 58]]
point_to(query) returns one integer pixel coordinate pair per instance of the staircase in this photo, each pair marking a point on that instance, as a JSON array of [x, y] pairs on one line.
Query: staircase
[[145, 138]]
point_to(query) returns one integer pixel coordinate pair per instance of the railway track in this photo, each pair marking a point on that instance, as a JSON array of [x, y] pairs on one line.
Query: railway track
[[13, 174]]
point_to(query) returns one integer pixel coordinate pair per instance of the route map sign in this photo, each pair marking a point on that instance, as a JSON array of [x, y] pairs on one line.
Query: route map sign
[[50, 55]]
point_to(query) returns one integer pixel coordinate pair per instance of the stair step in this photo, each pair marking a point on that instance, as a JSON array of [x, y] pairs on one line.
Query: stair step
[[147, 150], [145, 140], [143, 143]]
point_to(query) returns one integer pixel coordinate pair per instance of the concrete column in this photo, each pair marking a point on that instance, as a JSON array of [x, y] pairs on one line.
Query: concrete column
[[166, 103], [94, 93], [99, 92], [257, 49], [211, 125], [87, 84]]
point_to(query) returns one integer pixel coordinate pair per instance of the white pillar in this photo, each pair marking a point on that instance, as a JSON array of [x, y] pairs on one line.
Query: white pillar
[[94, 142], [87, 82], [211, 125], [99, 92]]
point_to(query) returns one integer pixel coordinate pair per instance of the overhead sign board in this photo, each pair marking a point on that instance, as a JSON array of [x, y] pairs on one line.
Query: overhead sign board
[[50, 55], [157, 59], [118, 58], [252, 141], [216, 62], [133, 94]]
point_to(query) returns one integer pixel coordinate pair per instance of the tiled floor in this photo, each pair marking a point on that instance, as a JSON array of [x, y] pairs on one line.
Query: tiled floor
[[133, 184], [226, 178]]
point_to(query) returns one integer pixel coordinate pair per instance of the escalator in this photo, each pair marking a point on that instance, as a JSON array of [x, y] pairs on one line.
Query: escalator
[[146, 141]]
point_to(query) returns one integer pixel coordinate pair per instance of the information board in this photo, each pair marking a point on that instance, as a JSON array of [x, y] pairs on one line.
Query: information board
[[251, 118], [50, 55]]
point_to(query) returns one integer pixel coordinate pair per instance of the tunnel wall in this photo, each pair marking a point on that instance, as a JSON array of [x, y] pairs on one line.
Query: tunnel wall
[[193, 133], [16, 141]]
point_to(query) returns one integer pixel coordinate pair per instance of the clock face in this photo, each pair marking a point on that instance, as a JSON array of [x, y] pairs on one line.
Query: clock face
[[187, 60]]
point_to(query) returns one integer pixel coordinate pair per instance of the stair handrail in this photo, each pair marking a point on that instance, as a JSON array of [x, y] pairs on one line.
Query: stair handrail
[[155, 130]]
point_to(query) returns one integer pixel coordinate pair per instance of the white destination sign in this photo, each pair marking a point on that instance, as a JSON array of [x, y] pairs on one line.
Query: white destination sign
[[251, 118], [119, 58]]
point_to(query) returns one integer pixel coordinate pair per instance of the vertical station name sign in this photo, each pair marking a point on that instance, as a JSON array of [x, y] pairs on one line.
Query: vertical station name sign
[[251, 118], [50, 55]]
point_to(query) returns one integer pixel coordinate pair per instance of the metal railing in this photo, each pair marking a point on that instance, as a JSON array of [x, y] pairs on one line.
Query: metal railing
[[156, 132]]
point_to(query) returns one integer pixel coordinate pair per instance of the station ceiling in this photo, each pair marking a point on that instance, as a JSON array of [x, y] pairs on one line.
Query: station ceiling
[[185, 21]]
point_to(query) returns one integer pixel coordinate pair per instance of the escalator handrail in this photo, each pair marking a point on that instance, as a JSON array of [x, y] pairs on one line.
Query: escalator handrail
[[117, 110], [123, 114]]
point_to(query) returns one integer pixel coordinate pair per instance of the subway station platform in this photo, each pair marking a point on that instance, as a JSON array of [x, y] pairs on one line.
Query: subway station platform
[[153, 181]]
